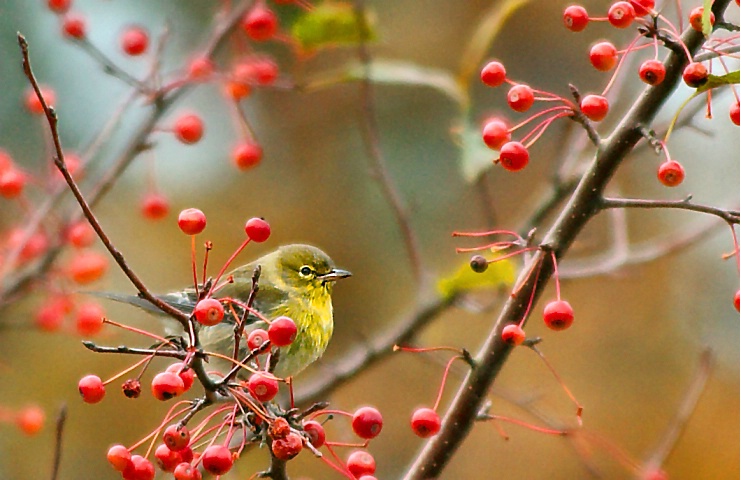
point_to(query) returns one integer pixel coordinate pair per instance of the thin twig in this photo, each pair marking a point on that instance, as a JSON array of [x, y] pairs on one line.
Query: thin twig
[[61, 420], [730, 216]]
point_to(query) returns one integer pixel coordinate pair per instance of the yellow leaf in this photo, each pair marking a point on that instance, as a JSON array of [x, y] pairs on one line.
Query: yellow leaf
[[499, 274]]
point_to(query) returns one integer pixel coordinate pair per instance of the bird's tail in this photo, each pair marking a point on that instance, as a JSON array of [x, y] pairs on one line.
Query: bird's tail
[[172, 299]]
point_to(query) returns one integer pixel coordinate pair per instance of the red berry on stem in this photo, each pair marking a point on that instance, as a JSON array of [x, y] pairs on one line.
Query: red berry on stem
[[621, 14], [520, 98], [496, 133], [89, 319], [119, 457], [260, 23], [643, 7], [191, 221], [696, 18], [188, 128], [166, 385], [134, 41], [360, 462], [155, 206], [282, 331], [493, 74], [367, 422], [209, 312], [176, 437], [80, 235], [652, 72], [513, 156], [285, 448], [74, 26], [695, 74], [575, 18], [167, 460], [12, 182], [186, 374], [603, 56], [671, 173], [256, 338], [59, 6], [138, 469], [33, 104], [257, 229], [558, 315], [425, 422], [316, 433], [513, 334], [186, 471], [247, 155], [737, 301], [91, 388], [132, 388], [594, 107], [734, 113], [262, 386], [87, 267], [217, 459], [30, 419]]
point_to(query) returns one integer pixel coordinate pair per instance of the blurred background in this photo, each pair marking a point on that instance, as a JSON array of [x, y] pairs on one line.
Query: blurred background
[[638, 334]]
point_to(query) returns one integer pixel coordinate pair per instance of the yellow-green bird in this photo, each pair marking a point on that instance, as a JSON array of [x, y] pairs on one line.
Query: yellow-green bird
[[295, 281]]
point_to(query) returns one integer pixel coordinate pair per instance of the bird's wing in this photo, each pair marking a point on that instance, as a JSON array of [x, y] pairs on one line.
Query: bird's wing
[[183, 301]]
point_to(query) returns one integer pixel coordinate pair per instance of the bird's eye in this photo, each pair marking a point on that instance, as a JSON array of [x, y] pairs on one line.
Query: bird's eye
[[305, 271]]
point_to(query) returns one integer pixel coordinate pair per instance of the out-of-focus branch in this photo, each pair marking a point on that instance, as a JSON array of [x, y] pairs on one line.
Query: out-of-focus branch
[[58, 441]]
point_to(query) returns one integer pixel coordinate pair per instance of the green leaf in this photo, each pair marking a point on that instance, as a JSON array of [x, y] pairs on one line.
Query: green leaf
[[499, 274], [730, 78], [475, 157], [394, 73], [707, 27], [331, 24], [483, 36]]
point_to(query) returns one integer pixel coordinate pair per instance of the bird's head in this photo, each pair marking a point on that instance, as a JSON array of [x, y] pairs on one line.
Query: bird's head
[[304, 268]]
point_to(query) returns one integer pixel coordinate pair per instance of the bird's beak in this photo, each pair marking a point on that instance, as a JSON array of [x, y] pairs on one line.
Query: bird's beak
[[334, 275]]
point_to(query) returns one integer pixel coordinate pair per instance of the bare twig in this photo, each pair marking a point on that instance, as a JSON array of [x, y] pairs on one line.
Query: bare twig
[[730, 216], [61, 420]]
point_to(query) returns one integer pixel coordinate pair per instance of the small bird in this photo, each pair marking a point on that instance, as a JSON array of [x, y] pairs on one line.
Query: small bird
[[295, 281]]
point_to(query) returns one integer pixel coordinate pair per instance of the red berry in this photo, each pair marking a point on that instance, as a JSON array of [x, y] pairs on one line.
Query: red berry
[[59, 6], [316, 433], [176, 437], [191, 221], [6, 161], [12, 182], [166, 385], [425, 422], [575, 18], [734, 113], [217, 459], [643, 7], [262, 386], [200, 68], [91, 388], [695, 74], [495, 133], [138, 469], [33, 248], [30, 420], [188, 128], [282, 331], [50, 316], [247, 155], [89, 319], [652, 72], [603, 56], [257, 229], [671, 173], [696, 18], [80, 235], [74, 26], [265, 71], [87, 267], [367, 422], [119, 457], [132, 388], [237, 90], [186, 471], [256, 338], [493, 74], [513, 156], [33, 104], [155, 206], [513, 334], [209, 312], [360, 463], [621, 14], [134, 40], [558, 315], [186, 374], [594, 107], [736, 301], [260, 23], [520, 98], [167, 460], [287, 447]]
